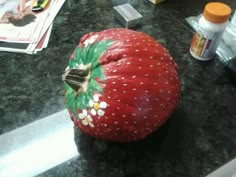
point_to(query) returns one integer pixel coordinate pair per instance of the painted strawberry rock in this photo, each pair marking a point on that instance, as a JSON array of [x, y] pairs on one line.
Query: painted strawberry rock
[[120, 85]]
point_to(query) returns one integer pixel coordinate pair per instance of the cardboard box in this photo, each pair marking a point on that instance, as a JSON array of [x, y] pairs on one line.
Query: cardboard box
[[127, 15]]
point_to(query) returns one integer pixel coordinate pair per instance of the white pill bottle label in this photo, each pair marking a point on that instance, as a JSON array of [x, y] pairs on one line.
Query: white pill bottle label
[[204, 44]]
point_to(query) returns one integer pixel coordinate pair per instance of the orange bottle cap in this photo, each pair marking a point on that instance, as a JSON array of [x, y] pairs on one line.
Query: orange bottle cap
[[217, 12]]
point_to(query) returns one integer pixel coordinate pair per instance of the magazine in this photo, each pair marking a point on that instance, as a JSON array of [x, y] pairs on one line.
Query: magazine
[[29, 48], [23, 24]]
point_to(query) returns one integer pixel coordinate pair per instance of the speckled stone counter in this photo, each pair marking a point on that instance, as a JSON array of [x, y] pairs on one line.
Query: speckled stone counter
[[198, 137]]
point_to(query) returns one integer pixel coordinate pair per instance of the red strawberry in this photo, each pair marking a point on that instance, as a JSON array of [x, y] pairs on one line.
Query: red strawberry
[[121, 85]]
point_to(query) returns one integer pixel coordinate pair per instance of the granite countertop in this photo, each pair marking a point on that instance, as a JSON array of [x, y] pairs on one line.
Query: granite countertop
[[198, 137]]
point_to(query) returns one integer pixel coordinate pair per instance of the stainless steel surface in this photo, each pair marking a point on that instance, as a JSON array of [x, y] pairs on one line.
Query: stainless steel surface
[[37, 147], [127, 15], [227, 170], [156, 1]]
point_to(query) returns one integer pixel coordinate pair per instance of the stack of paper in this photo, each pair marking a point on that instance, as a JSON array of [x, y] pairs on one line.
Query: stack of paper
[[26, 30]]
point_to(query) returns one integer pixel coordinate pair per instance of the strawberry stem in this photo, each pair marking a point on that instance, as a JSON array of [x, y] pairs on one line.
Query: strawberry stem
[[78, 78], [82, 74]]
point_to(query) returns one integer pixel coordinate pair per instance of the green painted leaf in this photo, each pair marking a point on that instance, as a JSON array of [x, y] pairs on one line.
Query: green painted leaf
[[94, 86], [98, 73], [70, 103], [91, 54], [72, 64], [97, 50], [79, 55]]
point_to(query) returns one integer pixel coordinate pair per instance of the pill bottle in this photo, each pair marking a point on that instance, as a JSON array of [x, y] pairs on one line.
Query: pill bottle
[[211, 26]]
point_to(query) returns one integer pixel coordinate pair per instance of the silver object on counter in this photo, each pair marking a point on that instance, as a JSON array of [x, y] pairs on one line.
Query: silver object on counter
[[227, 170], [38, 146], [127, 15]]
